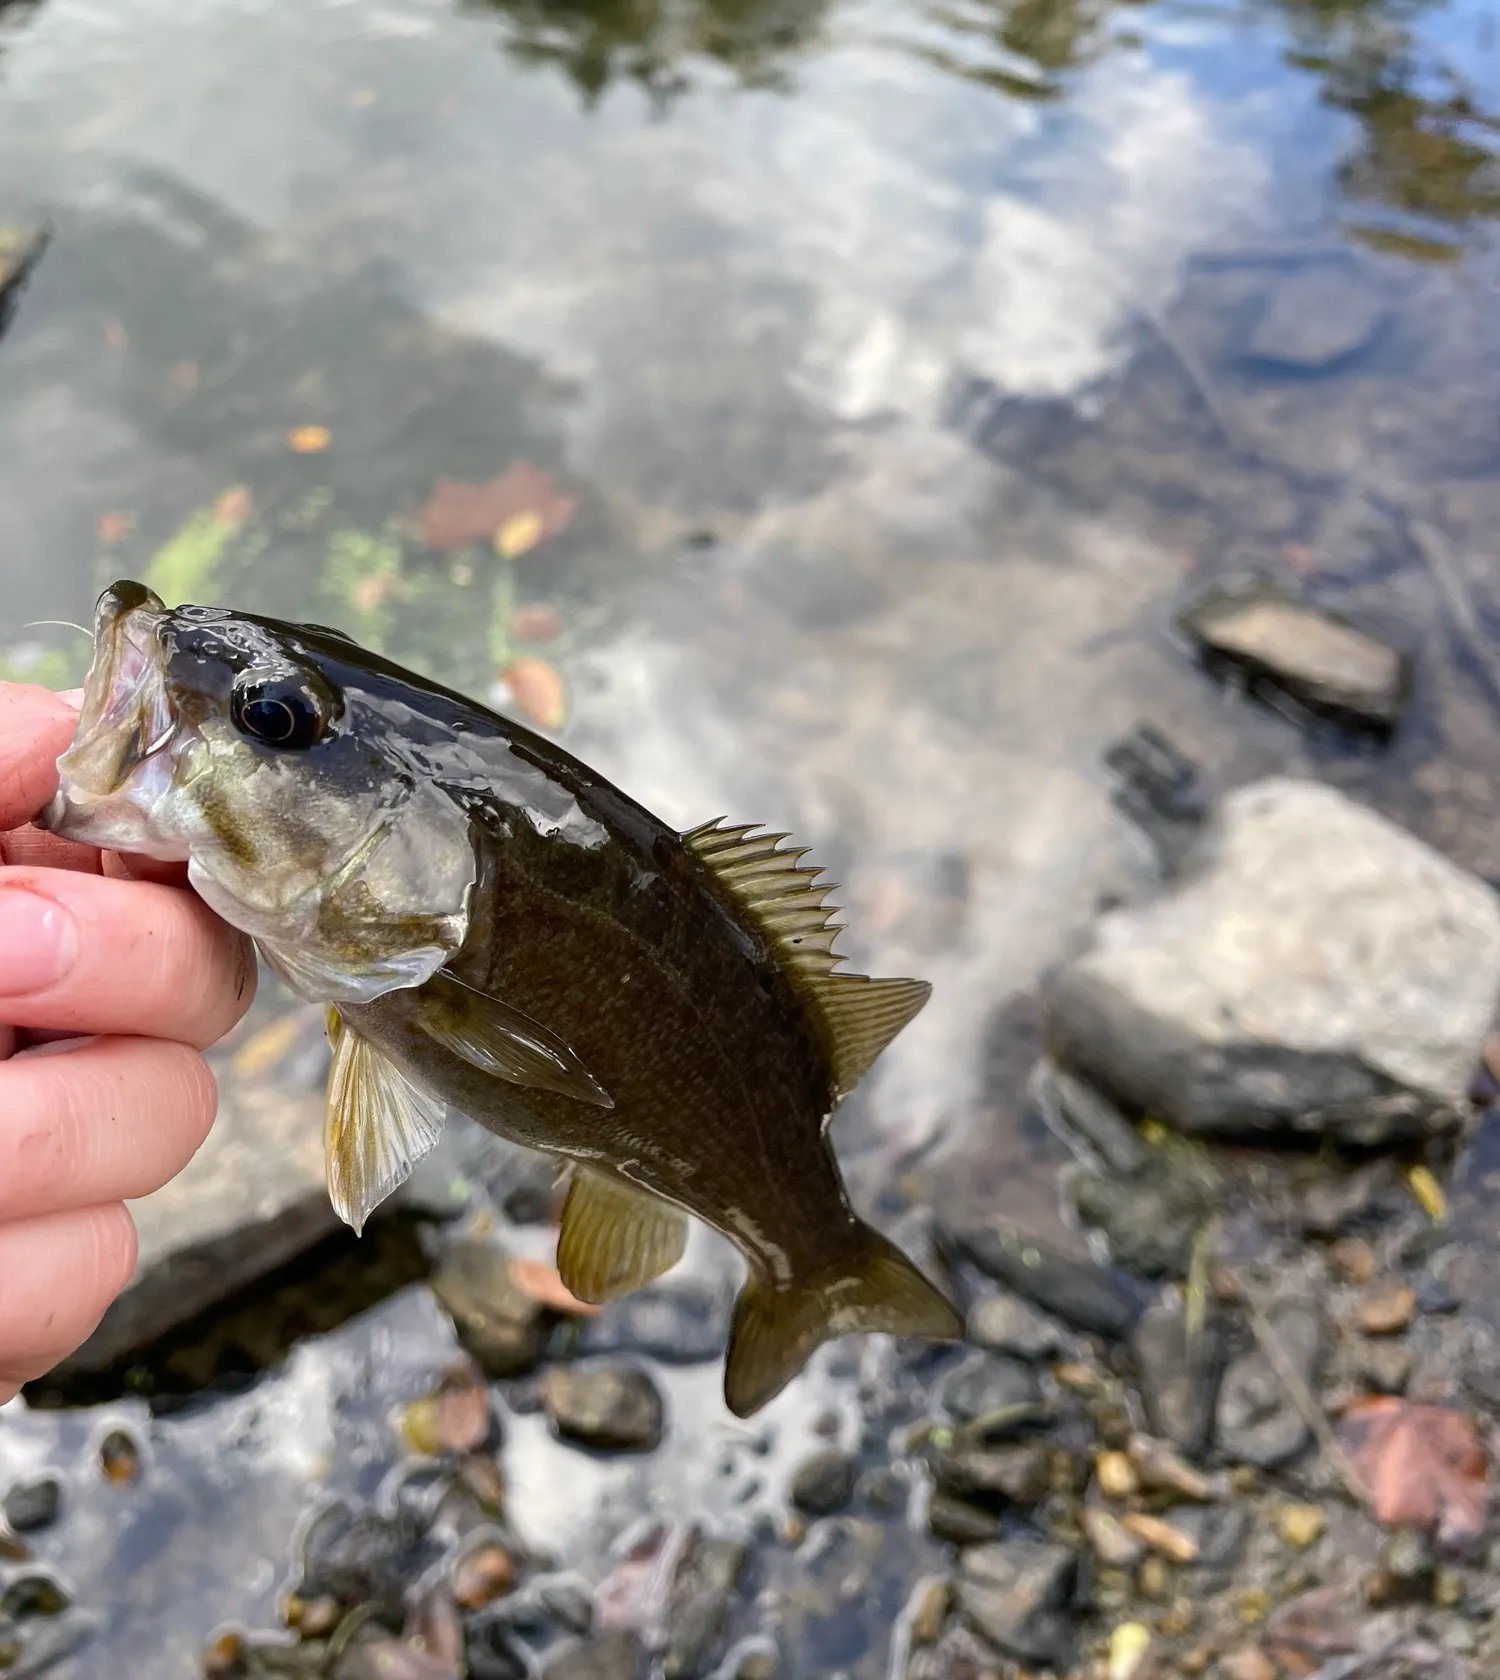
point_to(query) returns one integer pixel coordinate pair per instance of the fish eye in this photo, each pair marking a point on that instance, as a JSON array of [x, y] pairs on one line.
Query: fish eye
[[282, 712]]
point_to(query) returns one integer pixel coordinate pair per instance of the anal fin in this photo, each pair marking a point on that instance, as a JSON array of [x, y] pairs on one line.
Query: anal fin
[[614, 1238], [376, 1125], [776, 1329]]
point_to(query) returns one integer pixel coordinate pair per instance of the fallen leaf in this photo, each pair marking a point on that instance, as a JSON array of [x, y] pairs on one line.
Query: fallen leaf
[[233, 506], [536, 623], [113, 527], [540, 1282], [1423, 1464], [308, 440], [519, 533], [538, 690], [457, 514]]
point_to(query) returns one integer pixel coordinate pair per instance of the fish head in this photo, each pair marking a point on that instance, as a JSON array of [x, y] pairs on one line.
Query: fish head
[[279, 763]]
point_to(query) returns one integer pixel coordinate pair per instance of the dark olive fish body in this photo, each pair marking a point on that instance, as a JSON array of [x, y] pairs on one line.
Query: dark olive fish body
[[497, 928]]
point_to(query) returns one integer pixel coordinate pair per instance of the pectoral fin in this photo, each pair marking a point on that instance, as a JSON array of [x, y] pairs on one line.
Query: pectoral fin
[[615, 1238], [377, 1125], [502, 1041]]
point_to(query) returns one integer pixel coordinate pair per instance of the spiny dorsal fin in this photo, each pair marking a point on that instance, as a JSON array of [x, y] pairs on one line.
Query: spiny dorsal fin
[[769, 883]]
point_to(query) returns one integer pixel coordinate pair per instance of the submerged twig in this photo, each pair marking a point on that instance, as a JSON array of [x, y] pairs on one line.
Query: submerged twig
[[1301, 1396]]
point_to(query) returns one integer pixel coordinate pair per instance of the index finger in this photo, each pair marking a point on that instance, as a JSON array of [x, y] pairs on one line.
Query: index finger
[[36, 726]]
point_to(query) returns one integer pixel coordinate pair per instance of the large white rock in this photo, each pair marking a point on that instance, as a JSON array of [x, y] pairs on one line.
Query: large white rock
[[1321, 970]]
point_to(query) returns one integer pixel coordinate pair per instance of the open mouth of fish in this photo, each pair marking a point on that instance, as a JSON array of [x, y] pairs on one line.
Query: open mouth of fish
[[118, 765]]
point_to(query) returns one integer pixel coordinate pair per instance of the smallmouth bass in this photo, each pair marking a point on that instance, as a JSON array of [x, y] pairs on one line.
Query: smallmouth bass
[[494, 927]]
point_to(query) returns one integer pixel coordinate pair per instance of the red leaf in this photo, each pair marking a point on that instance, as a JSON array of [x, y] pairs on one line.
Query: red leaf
[[1423, 1465], [457, 514]]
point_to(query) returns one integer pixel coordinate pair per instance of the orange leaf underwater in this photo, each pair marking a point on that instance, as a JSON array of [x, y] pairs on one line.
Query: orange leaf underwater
[[1423, 1465]]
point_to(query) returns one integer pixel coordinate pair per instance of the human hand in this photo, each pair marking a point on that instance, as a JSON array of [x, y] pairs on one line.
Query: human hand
[[120, 950]]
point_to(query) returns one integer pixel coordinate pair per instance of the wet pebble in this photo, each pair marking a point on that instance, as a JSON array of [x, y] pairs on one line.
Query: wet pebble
[[482, 1575], [1387, 1309], [1159, 1467], [1340, 1198], [495, 1320], [678, 1324], [456, 1418], [1113, 1544], [33, 1505], [1257, 1421], [960, 1523], [491, 1652], [119, 1458], [1248, 1662], [1179, 1375], [1003, 1323], [824, 1482], [1015, 1592], [32, 1595], [1148, 1222], [1019, 1475], [615, 1408], [611, 1656], [1300, 1525], [698, 1613], [991, 1386], [1085, 1296], [1353, 1259], [1220, 1532], [1088, 1120], [1160, 1536], [361, 1557], [1383, 1366]]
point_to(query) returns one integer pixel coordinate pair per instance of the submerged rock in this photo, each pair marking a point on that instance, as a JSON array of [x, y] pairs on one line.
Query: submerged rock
[[1081, 1294], [1258, 1422], [616, 1408], [1018, 1475], [677, 1323], [1015, 1593], [1159, 789], [1315, 320], [698, 1614], [1148, 1222], [1087, 1121], [991, 1387], [497, 1321], [611, 1656], [1323, 972], [824, 1483], [32, 1505], [1002, 1323], [1179, 1375], [1286, 647]]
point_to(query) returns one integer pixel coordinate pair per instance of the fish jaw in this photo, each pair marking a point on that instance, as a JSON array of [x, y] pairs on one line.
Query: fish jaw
[[116, 774]]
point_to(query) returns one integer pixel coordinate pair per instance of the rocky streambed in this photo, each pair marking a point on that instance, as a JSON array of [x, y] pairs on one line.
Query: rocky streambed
[[1233, 1417]]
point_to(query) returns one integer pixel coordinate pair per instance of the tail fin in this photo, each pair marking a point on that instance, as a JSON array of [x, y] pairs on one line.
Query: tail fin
[[873, 1286]]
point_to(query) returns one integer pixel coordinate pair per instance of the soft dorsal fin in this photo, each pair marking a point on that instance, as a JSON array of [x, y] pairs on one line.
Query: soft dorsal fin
[[771, 886]]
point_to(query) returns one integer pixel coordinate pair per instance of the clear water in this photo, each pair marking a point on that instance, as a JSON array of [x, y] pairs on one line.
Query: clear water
[[903, 360]]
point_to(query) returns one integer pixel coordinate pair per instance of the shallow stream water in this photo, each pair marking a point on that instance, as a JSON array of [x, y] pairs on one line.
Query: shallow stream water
[[905, 363]]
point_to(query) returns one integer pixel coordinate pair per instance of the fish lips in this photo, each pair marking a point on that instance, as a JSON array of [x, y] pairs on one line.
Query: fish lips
[[113, 772]]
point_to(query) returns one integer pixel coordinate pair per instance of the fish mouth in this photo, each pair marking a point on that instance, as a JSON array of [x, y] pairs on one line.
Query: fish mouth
[[126, 720]]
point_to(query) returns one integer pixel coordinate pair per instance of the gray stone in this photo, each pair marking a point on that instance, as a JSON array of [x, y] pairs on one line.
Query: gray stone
[[495, 1320], [1316, 319], [1285, 647], [960, 1523], [1005, 1324], [1081, 1294], [32, 1505], [1087, 1121], [1148, 1222], [1383, 1366], [990, 1386], [1218, 1531], [1014, 1475], [1322, 972], [1015, 1592], [677, 1323], [1344, 1197], [615, 1408], [1179, 1383], [251, 1199], [698, 1614], [1257, 1421], [824, 1482], [610, 1656]]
